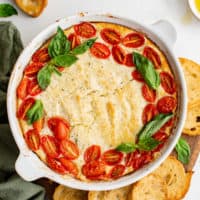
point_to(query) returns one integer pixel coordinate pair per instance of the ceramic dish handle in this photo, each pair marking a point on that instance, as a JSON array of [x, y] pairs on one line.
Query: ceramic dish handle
[[25, 169], [166, 31]]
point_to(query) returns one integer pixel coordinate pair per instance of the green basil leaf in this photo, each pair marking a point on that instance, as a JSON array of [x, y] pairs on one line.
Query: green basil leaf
[[148, 144], [7, 10], [65, 60], [147, 70], [183, 151], [126, 147], [82, 48], [59, 44], [36, 112]]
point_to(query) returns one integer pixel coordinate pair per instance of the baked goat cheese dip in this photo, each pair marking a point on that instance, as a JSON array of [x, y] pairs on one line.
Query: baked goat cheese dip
[[97, 101]]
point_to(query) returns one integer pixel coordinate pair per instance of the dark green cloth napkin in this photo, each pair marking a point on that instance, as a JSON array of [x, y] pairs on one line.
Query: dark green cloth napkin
[[12, 187]]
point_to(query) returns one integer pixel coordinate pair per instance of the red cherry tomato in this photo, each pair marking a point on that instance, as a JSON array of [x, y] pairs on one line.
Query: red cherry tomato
[[128, 60], [22, 92], [85, 29], [100, 50], [167, 124], [161, 137], [33, 68], [167, 82], [149, 112], [50, 146], [112, 157], [39, 124], [153, 56], [118, 54], [70, 166], [147, 157], [137, 76], [60, 69], [41, 56], [33, 88], [110, 36], [92, 153], [133, 40], [69, 149], [32, 139], [148, 93], [166, 104], [74, 39], [116, 171], [24, 107]]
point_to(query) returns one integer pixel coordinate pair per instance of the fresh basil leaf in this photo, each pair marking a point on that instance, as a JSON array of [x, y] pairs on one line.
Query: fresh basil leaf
[[147, 70], [7, 10], [126, 147], [148, 144], [82, 48], [65, 60], [59, 44], [35, 112], [183, 151]]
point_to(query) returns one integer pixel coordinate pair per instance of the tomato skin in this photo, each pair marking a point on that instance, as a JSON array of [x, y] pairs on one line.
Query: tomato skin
[[32, 69], [22, 92], [70, 166], [167, 124], [110, 36], [33, 88], [92, 153], [100, 50], [85, 29], [128, 60], [118, 54], [32, 139], [149, 112], [153, 56], [148, 93], [112, 157], [137, 76], [69, 149], [24, 107], [166, 104], [167, 82], [41, 56], [74, 39], [133, 40], [117, 171], [39, 124], [161, 137], [50, 146]]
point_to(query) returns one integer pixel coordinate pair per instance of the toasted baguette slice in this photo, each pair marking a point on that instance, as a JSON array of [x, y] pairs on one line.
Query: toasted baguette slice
[[65, 193], [151, 187], [177, 181], [32, 8]]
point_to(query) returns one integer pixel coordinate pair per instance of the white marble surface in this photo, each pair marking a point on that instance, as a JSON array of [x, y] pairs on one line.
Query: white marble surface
[[147, 11]]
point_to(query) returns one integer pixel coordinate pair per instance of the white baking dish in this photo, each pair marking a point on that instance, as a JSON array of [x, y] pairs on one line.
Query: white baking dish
[[29, 166]]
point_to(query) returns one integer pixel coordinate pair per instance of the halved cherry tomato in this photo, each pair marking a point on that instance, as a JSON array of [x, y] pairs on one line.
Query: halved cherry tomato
[[70, 166], [167, 124], [22, 91], [33, 68], [93, 170], [148, 93], [100, 50], [60, 69], [118, 54], [137, 76], [128, 60], [32, 138], [85, 29], [167, 82], [149, 112], [24, 107], [166, 104], [41, 56], [92, 153], [133, 40], [147, 156], [39, 124], [153, 56], [112, 157], [69, 149], [110, 36], [161, 137], [33, 88], [56, 165], [50, 146], [116, 171], [74, 39]]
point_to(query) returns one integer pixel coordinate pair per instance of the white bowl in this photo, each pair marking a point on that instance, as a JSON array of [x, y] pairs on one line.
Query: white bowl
[[194, 9], [29, 166]]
